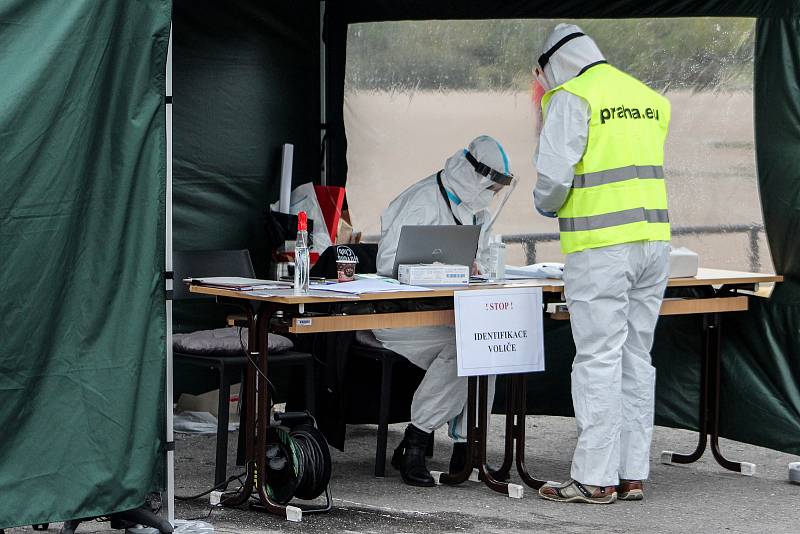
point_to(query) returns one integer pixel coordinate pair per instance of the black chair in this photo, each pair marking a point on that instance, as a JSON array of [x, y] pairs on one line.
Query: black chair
[[365, 346], [228, 365]]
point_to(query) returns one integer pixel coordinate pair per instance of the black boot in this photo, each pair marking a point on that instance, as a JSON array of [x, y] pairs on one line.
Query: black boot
[[459, 458], [409, 458]]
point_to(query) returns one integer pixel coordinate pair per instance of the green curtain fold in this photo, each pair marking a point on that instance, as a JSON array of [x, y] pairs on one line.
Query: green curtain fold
[[82, 174]]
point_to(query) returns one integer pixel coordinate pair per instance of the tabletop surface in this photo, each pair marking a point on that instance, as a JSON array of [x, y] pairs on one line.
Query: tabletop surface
[[705, 277]]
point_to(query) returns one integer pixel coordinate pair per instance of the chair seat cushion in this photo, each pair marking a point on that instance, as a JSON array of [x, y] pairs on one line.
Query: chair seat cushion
[[367, 338], [224, 341]]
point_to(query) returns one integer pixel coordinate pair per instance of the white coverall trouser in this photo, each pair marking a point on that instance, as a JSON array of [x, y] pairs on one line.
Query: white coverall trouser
[[442, 395], [614, 296]]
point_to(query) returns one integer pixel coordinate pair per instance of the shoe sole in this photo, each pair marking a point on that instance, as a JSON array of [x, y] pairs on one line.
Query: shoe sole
[[633, 495], [577, 498]]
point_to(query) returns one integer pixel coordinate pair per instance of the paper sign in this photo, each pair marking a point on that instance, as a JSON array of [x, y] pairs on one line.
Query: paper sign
[[499, 331]]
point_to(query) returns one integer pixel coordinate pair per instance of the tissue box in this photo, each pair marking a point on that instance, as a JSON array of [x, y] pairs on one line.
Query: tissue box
[[683, 263], [433, 274]]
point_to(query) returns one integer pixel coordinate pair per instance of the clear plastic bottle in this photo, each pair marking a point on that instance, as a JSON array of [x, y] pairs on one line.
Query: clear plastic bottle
[[497, 259], [491, 268], [301, 257], [500, 258]]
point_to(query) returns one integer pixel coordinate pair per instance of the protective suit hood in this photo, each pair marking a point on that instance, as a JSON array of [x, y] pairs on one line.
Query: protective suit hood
[[569, 59], [461, 178]]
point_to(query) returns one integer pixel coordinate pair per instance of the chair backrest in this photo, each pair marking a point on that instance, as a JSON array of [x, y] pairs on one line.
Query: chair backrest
[[365, 252], [202, 263]]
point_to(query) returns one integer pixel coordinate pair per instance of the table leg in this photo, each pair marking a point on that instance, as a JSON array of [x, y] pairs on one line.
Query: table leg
[[247, 426], [746, 468], [710, 385], [508, 454], [483, 423], [702, 419], [263, 412], [521, 404], [463, 476]]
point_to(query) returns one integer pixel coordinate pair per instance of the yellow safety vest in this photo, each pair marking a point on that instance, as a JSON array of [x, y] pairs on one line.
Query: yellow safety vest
[[618, 193]]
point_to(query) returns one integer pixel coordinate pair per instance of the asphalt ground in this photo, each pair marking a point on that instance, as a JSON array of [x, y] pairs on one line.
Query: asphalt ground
[[700, 497]]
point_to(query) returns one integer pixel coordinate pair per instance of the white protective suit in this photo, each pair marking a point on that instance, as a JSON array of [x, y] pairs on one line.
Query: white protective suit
[[441, 396], [613, 293]]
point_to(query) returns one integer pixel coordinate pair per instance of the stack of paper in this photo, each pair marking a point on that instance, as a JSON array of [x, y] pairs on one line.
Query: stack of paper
[[313, 292], [537, 270], [237, 283], [359, 287]]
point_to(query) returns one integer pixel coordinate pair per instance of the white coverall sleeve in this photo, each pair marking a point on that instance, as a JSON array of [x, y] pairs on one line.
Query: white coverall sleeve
[[561, 146], [390, 238]]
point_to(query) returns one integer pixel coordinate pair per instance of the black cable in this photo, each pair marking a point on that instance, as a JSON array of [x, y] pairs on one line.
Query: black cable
[[316, 468], [208, 515], [221, 484], [255, 364], [270, 385]]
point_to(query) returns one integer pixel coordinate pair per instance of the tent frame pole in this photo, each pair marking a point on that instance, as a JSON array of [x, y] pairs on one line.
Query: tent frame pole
[[169, 440], [323, 87]]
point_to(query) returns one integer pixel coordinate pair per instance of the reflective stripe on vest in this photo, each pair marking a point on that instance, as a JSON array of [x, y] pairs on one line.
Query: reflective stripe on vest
[[617, 218], [618, 192], [592, 179]]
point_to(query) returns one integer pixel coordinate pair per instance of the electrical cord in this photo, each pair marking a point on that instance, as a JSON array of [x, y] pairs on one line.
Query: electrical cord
[[255, 364], [218, 486], [208, 515], [316, 464]]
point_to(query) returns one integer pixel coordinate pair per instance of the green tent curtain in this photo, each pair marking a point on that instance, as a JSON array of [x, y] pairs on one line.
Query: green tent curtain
[[82, 174]]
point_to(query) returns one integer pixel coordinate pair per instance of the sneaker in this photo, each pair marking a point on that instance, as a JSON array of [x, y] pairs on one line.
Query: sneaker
[[630, 490], [574, 491]]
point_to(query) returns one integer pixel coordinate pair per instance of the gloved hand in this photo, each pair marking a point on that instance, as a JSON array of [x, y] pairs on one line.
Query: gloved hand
[[549, 214]]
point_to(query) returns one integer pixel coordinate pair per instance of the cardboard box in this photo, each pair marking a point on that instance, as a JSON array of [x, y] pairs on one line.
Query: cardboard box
[[433, 274]]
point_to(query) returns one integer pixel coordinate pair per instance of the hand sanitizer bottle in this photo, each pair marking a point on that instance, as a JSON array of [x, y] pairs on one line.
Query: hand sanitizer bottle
[[301, 258]]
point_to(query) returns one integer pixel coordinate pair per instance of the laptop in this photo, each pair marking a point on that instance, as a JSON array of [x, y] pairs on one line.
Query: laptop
[[451, 244]]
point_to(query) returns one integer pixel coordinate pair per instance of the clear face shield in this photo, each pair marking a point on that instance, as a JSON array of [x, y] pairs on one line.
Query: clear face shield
[[500, 188]]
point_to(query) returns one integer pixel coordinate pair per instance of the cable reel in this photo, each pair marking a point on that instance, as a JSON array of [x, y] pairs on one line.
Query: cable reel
[[298, 461]]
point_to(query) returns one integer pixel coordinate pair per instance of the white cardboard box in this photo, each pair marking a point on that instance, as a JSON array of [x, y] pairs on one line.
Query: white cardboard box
[[683, 263], [433, 274]]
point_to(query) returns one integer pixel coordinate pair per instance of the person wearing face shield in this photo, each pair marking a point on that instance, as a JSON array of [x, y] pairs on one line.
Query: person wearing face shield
[[461, 193], [600, 163]]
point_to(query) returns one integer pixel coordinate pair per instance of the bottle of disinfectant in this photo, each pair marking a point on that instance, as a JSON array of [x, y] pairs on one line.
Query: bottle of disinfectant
[[301, 258]]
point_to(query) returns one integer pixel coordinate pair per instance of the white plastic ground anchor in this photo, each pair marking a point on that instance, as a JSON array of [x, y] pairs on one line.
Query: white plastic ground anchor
[[666, 457], [794, 472], [748, 469], [188, 526], [515, 491], [293, 513], [437, 477], [214, 498], [474, 476]]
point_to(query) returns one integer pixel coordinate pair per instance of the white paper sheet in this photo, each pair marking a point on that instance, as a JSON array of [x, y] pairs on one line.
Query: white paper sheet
[[315, 293], [537, 270], [358, 287]]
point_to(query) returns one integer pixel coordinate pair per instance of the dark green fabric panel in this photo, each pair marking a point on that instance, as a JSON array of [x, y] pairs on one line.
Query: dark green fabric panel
[[777, 124], [761, 375], [82, 163], [246, 80]]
